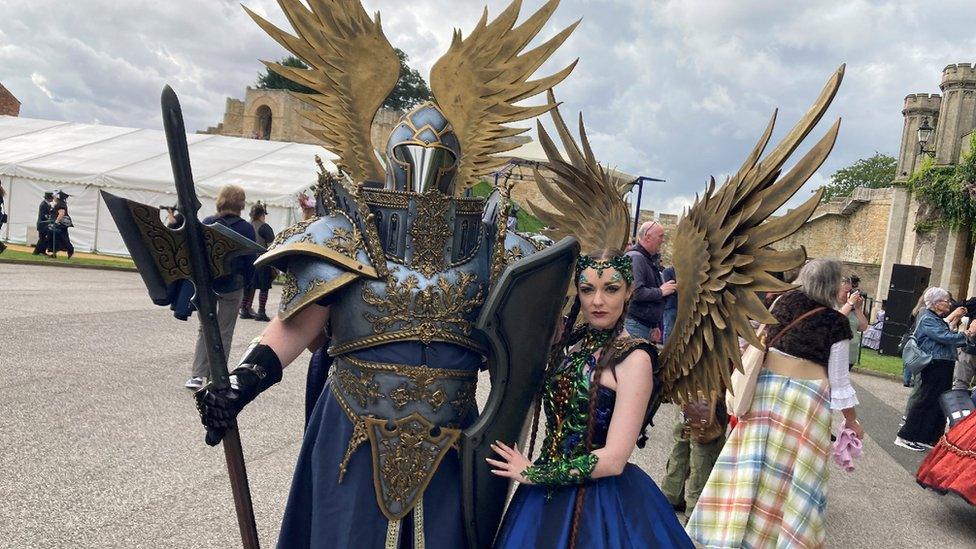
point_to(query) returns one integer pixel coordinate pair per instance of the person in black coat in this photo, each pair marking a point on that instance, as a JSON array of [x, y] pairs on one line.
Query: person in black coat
[[44, 224], [3, 218], [263, 276], [60, 222]]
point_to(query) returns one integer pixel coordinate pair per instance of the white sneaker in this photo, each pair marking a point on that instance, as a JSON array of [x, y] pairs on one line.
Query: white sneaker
[[194, 383], [910, 444]]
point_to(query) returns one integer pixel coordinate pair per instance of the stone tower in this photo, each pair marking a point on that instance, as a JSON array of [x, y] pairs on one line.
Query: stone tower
[[918, 107], [957, 114]]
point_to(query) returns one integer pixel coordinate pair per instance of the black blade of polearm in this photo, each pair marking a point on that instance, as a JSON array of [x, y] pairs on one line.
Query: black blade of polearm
[[206, 303]]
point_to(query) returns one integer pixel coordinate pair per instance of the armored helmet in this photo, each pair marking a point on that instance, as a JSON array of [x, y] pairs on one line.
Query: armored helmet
[[422, 152]]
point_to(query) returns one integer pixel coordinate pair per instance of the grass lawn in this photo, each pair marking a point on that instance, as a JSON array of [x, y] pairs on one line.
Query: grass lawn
[[871, 360], [22, 254]]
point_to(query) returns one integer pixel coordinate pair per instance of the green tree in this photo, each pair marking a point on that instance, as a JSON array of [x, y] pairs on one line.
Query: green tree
[[875, 172], [271, 80], [410, 90]]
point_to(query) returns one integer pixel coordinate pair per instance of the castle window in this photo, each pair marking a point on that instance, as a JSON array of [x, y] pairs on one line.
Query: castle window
[[263, 115]]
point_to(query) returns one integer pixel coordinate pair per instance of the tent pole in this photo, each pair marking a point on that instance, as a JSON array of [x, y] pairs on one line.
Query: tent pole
[[98, 199]]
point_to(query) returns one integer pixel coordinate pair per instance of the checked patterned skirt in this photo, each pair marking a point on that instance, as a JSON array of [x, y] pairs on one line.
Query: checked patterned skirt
[[768, 487]]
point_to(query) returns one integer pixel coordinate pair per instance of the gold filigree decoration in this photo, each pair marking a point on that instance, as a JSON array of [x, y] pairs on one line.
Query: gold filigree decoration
[[429, 233], [514, 254], [429, 312], [386, 199], [346, 242], [498, 255], [464, 398], [289, 289], [358, 437], [363, 387], [297, 228], [167, 247], [469, 205], [405, 459]]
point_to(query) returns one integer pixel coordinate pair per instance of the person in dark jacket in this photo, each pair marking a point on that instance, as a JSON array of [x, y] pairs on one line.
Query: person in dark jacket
[[58, 228], [670, 305], [264, 276], [650, 290], [3, 218], [230, 203], [924, 422], [44, 211]]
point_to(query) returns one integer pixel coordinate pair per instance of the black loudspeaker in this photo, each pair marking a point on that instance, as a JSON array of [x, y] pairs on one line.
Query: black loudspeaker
[[889, 343], [909, 278], [899, 306]]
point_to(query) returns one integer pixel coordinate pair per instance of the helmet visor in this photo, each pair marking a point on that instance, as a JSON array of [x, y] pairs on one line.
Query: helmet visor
[[425, 165]]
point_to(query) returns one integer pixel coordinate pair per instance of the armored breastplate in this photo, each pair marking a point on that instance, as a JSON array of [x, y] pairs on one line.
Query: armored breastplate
[[406, 305]]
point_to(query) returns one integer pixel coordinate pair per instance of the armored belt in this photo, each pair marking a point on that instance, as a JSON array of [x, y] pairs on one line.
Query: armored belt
[[411, 416]]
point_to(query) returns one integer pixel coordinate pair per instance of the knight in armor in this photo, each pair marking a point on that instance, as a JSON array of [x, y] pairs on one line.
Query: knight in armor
[[405, 364], [581, 491]]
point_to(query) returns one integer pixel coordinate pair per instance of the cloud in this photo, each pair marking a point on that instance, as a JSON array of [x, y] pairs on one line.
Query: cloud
[[675, 89]]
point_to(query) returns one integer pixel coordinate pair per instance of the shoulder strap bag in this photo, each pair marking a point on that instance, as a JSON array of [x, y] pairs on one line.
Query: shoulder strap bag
[[739, 396], [912, 355]]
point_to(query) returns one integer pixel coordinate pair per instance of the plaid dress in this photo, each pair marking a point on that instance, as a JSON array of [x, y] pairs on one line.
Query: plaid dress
[[769, 485]]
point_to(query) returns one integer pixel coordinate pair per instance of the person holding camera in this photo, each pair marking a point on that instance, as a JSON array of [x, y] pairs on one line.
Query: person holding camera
[[852, 307]]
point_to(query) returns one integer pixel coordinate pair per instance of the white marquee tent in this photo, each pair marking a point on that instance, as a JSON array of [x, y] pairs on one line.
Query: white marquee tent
[[37, 156]]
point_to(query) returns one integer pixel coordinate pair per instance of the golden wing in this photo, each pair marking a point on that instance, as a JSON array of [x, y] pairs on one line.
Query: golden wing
[[589, 202], [480, 78], [352, 67], [722, 256]]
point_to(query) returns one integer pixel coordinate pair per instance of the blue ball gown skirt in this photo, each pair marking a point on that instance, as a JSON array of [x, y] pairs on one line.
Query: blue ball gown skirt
[[625, 511]]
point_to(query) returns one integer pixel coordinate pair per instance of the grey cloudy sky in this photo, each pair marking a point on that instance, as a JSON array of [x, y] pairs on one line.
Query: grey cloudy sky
[[673, 89]]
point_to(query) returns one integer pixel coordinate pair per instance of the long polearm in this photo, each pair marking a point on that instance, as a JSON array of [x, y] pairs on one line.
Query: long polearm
[[206, 304]]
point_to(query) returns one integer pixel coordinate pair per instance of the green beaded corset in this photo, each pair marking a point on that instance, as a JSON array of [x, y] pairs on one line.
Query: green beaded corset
[[564, 457]]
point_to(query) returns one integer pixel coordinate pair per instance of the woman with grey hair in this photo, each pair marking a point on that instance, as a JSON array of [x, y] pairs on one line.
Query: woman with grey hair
[[924, 422], [768, 487]]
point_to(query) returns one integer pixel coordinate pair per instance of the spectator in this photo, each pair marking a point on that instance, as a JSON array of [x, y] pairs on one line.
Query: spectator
[[965, 370], [670, 305], [872, 336], [924, 422], [261, 281], [768, 487], [852, 307], [691, 460], [43, 224], [61, 221], [647, 304], [230, 203], [3, 218]]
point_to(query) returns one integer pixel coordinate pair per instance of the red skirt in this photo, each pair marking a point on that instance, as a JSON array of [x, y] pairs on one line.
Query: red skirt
[[951, 465]]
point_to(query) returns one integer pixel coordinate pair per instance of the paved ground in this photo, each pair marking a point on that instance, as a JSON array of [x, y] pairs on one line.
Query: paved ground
[[102, 446]]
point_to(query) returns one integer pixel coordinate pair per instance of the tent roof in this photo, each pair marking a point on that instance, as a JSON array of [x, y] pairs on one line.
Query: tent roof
[[131, 158]]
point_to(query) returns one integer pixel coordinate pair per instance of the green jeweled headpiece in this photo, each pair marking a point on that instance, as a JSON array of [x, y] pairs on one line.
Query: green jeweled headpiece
[[621, 263]]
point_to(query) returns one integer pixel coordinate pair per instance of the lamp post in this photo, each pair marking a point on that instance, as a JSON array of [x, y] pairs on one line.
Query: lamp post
[[924, 135]]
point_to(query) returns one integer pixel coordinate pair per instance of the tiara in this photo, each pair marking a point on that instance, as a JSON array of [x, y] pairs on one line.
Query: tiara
[[621, 263]]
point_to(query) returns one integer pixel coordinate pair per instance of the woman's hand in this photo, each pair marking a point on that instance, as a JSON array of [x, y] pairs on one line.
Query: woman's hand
[[513, 462], [855, 426]]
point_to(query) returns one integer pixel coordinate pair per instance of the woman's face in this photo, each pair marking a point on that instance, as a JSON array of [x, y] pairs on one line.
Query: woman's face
[[843, 291], [942, 306], [602, 297]]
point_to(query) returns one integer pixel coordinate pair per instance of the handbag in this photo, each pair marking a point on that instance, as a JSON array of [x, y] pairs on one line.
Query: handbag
[[743, 382], [66, 221], [913, 356], [701, 423]]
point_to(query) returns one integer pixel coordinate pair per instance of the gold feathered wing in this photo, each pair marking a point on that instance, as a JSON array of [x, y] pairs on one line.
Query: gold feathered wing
[[722, 257], [587, 198], [353, 68], [481, 77]]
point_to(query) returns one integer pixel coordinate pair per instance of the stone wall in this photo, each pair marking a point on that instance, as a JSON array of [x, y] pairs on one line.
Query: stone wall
[[9, 105]]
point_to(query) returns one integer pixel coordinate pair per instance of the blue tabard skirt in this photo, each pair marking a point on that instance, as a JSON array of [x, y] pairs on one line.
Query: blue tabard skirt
[[323, 513], [624, 511]]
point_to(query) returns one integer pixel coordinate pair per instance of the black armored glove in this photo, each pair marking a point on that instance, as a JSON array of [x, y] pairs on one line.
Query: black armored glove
[[258, 370]]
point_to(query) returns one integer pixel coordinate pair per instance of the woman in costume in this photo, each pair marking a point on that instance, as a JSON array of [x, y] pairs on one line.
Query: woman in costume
[[768, 487], [951, 465], [581, 491]]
